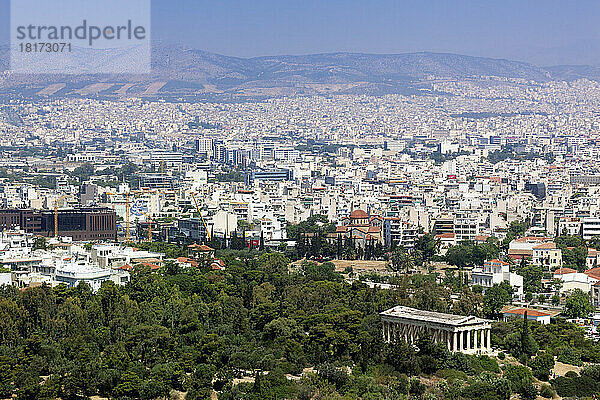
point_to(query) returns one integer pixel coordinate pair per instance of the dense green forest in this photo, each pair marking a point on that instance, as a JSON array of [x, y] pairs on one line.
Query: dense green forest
[[198, 332]]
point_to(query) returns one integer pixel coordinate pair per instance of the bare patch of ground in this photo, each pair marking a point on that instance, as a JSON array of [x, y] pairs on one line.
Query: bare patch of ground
[[50, 90], [560, 369], [360, 266]]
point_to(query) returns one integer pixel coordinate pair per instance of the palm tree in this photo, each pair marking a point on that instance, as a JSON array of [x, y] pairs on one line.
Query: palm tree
[[402, 260]]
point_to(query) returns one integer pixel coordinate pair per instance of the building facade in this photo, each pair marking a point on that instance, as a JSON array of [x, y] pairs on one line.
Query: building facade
[[86, 223], [494, 272]]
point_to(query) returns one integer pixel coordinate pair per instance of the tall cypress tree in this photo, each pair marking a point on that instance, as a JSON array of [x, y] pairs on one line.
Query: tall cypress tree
[[261, 246]]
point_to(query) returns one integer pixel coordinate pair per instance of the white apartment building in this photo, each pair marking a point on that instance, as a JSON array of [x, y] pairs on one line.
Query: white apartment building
[[73, 273], [494, 272], [569, 226], [114, 255], [466, 226], [399, 232]]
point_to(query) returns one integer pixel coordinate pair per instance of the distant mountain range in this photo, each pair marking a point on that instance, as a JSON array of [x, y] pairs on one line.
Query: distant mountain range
[[180, 72]]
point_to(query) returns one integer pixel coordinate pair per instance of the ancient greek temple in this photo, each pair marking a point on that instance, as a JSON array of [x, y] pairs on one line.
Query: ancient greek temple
[[470, 335]]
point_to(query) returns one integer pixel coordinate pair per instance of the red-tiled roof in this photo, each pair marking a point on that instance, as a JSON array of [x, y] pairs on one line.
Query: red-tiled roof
[[593, 272], [496, 261], [358, 214], [448, 235], [564, 271], [152, 266], [532, 239], [545, 246], [521, 311], [187, 260], [217, 264], [520, 252]]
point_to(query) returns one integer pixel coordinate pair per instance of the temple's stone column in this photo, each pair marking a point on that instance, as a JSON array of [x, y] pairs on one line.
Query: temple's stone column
[[483, 341], [468, 332], [476, 339], [488, 333]]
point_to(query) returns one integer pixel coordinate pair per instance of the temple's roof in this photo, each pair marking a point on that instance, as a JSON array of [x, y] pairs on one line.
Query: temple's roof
[[432, 316]]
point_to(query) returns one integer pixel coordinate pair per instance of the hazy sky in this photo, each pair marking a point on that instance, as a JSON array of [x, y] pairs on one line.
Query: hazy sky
[[542, 31]]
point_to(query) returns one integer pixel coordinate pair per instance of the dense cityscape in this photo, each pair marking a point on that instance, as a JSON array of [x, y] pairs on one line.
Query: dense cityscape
[[313, 200], [444, 244]]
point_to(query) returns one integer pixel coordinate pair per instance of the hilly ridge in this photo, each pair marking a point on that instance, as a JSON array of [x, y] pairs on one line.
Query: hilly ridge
[[182, 72], [338, 67]]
